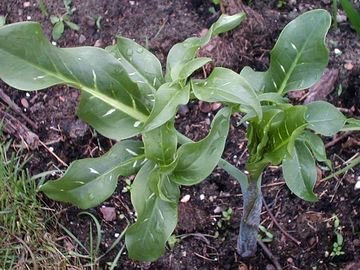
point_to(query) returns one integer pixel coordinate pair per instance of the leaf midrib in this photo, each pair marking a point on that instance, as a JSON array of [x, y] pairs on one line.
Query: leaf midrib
[[113, 103]]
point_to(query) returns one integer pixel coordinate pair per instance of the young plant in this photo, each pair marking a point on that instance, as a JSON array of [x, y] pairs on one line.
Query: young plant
[[124, 94], [337, 248], [59, 22]]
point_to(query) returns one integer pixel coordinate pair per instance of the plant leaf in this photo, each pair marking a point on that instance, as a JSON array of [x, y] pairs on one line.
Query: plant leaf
[[351, 124], [188, 68], [141, 65], [300, 172], [72, 25], [184, 52], [88, 182], [225, 85], [316, 146], [54, 19], [299, 57], [167, 99], [352, 14], [161, 143], [58, 30], [146, 239], [255, 78], [197, 160], [36, 64], [324, 118], [109, 122]]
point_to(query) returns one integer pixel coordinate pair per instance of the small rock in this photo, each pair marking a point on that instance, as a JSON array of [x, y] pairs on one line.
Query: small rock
[[183, 110], [24, 103], [28, 18], [356, 242], [337, 52], [132, 3], [217, 210], [116, 235], [82, 39], [108, 213], [205, 106], [290, 260], [349, 66], [202, 197], [341, 18], [357, 185], [26, 4], [185, 199], [98, 43], [270, 267], [215, 106]]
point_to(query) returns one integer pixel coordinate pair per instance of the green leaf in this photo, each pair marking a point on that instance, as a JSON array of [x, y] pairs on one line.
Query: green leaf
[[161, 143], [324, 118], [156, 219], [167, 99], [105, 119], [351, 124], [141, 65], [226, 23], [72, 25], [225, 85], [54, 19], [316, 146], [58, 30], [300, 172], [88, 182], [197, 160], [352, 14], [30, 62], [255, 78], [188, 68], [299, 57], [184, 52]]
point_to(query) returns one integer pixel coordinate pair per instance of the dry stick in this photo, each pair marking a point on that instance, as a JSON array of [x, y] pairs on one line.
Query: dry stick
[[271, 256], [337, 139], [13, 126], [52, 153], [16, 108], [35, 266], [278, 225]]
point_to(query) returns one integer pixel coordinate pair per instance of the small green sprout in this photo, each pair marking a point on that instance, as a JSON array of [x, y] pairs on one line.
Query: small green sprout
[[59, 22], [265, 235], [338, 244]]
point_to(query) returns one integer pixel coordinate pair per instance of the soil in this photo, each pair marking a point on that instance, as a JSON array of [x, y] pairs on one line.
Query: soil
[[207, 240]]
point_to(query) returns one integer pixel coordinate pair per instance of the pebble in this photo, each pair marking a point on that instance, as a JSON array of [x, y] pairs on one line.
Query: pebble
[[349, 66], [132, 3], [202, 197], [82, 39], [98, 43], [185, 199], [357, 185], [337, 52], [28, 18], [341, 18], [116, 235], [217, 210], [24, 103], [26, 4]]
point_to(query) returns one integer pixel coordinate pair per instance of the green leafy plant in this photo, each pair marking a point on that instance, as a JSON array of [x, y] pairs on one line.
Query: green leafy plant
[[337, 248], [124, 93], [60, 21], [352, 14]]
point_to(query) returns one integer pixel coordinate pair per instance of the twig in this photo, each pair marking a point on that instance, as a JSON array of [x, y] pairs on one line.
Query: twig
[[53, 154], [13, 126], [35, 266], [271, 256], [278, 225], [337, 139], [16, 108]]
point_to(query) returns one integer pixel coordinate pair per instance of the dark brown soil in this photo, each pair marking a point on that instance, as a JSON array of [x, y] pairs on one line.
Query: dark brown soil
[[207, 241]]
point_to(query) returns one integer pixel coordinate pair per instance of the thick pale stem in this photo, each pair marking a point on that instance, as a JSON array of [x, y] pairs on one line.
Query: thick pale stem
[[250, 220]]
